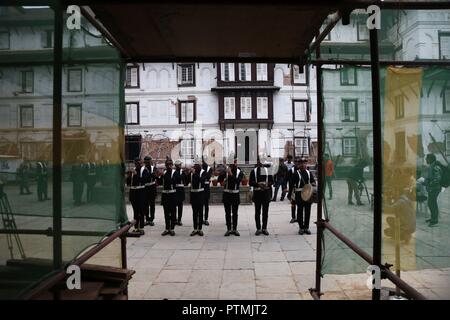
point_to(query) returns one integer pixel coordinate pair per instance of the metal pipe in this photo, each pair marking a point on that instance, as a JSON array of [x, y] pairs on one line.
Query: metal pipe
[[377, 152], [314, 294], [407, 289], [59, 276], [333, 19], [360, 252], [49, 232], [57, 136], [320, 228], [437, 63]]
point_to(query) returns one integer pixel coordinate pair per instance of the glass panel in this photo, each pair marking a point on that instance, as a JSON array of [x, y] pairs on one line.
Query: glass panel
[[26, 167]]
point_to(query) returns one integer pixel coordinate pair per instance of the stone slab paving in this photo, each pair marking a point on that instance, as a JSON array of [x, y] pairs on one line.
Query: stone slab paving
[[278, 266]]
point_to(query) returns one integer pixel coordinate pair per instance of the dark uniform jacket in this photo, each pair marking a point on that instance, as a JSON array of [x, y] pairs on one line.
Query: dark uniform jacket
[[180, 177], [197, 181], [150, 180], [298, 179], [231, 185], [136, 182], [257, 175], [169, 183]]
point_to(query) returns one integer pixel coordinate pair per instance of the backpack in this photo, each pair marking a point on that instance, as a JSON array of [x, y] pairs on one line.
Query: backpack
[[445, 177]]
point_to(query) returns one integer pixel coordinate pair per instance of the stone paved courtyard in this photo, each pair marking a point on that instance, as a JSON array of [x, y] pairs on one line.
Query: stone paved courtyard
[[278, 266]]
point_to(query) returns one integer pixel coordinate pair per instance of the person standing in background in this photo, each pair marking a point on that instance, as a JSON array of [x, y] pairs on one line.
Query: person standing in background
[[329, 171], [208, 172], [150, 187], [181, 181], [42, 180]]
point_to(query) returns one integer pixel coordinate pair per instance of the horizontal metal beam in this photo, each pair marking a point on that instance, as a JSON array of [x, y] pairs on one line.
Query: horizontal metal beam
[[437, 63], [409, 291], [49, 232]]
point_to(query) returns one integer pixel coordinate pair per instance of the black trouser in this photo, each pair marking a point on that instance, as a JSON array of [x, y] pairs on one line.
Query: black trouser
[[206, 200], [42, 189], [179, 211], [278, 184], [329, 186], [137, 199], [24, 186], [432, 204], [231, 220], [151, 197], [265, 214], [90, 188], [293, 208], [197, 202], [303, 212], [353, 189], [170, 210], [78, 187]]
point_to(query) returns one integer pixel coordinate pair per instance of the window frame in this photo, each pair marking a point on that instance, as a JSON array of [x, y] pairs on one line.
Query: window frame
[[23, 107], [359, 23], [445, 107], [344, 154], [23, 81], [231, 70], [138, 110], [129, 85], [343, 101], [74, 105], [224, 107], [308, 146], [248, 98], [69, 71], [194, 111], [180, 67], [257, 104], [248, 71], [9, 39], [51, 38], [440, 35], [191, 141], [266, 73], [348, 83], [308, 117], [306, 73]]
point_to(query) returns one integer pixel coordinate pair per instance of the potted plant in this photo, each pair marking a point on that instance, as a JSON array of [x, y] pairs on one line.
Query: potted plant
[[244, 181]]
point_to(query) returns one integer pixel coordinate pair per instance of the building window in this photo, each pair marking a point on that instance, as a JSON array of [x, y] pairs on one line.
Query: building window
[[446, 100], [47, 39], [27, 116], [349, 110], [186, 75], [444, 45], [229, 108], [261, 72], [350, 147], [246, 107], [74, 115], [363, 31], [132, 77], [301, 146], [75, 80], [400, 146], [187, 148], [227, 71], [297, 77], [447, 143], [348, 76], [27, 81], [399, 107], [301, 111], [4, 40], [262, 107], [245, 71], [132, 112], [187, 111]]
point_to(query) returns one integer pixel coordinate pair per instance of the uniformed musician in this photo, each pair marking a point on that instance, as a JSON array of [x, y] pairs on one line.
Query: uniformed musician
[[261, 180], [291, 171], [196, 179], [42, 180], [209, 172], [301, 177], [150, 191], [91, 180], [136, 182], [231, 178], [169, 197], [181, 181]]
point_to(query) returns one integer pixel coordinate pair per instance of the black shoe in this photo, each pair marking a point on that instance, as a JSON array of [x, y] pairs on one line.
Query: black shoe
[[165, 233], [274, 200], [258, 232], [428, 220], [351, 203], [432, 224], [301, 232], [142, 232], [200, 233], [236, 233], [293, 220], [206, 223], [193, 233], [227, 234], [135, 230], [360, 204], [307, 231], [151, 223], [265, 232], [172, 233], [179, 223], [282, 199]]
